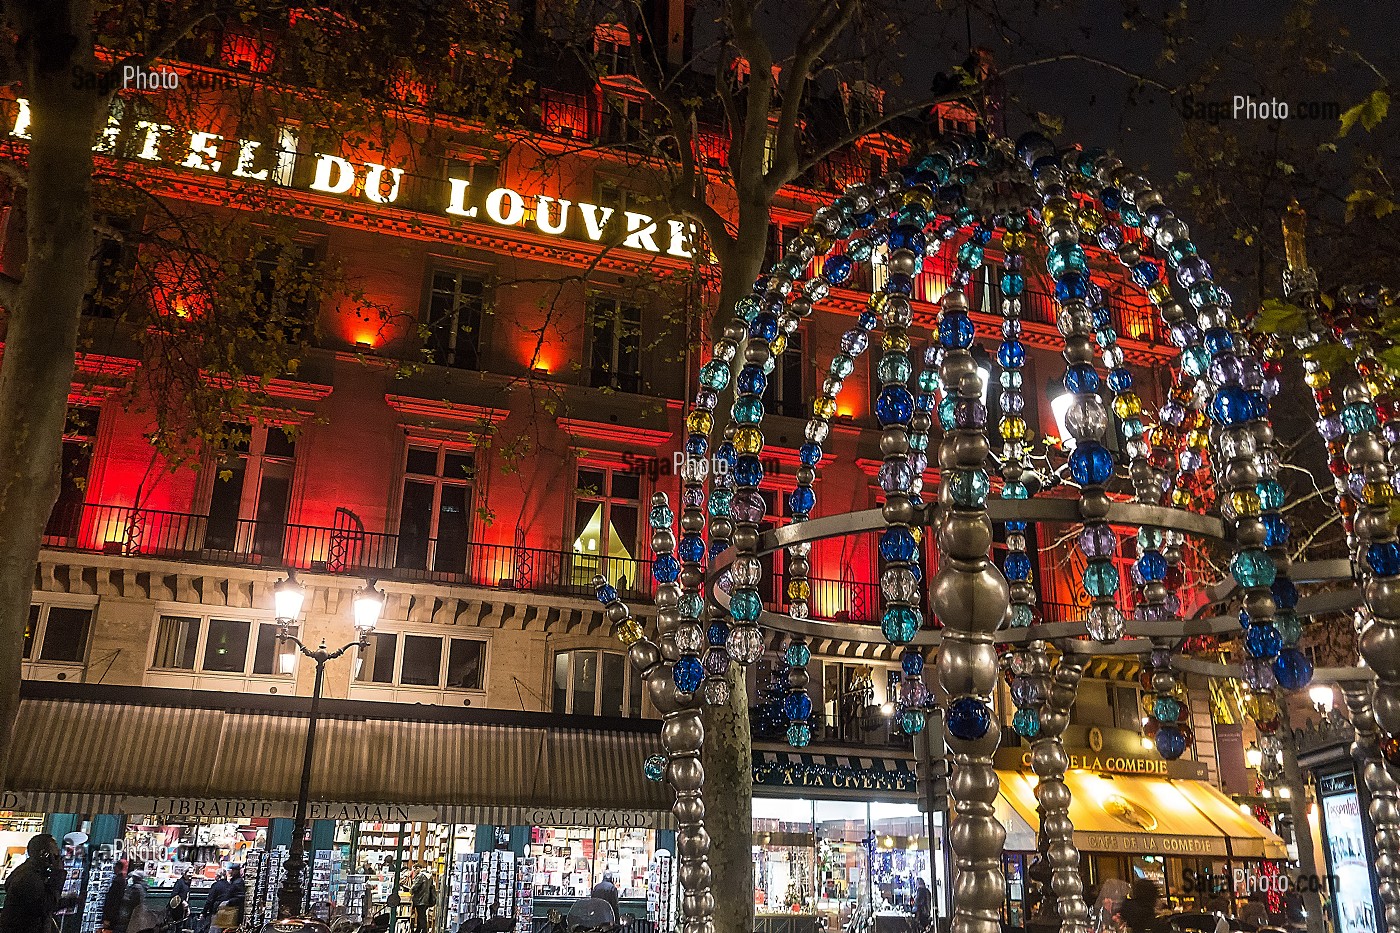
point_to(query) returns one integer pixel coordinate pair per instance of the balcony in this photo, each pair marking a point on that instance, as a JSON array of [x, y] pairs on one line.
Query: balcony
[[346, 549]]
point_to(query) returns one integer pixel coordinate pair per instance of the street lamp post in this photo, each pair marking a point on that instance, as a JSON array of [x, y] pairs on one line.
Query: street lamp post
[[287, 597]]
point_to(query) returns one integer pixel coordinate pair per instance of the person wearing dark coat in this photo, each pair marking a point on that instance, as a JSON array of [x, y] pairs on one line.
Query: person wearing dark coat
[[34, 890], [226, 892], [112, 900], [606, 890], [1139, 911], [923, 905]]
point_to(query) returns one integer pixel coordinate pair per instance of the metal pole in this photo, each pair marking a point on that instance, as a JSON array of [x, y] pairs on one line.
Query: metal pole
[[289, 895]]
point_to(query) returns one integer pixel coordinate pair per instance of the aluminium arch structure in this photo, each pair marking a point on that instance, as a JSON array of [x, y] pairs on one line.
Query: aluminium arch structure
[[1210, 441]]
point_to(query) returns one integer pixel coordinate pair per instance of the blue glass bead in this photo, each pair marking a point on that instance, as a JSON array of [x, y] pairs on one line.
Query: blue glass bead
[[717, 633], [911, 721], [748, 471], [688, 673], [606, 593], [894, 405], [802, 499], [1017, 565], [1263, 641], [907, 236], [714, 375], [897, 544], [901, 623], [867, 320], [752, 381], [1011, 354], [1258, 404], [1090, 463], [810, 454], [1166, 709], [981, 235], [1145, 273], [691, 549], [955, 331], [764, 325], [1230, 406], [1100, 578], [1026, 722], [665, 569], [948, 413], [745, 605], [911, 662], [727, 453], [1071, 287], [1285, 593], [1358, 417], [1275, 530], [1067, 257], [798, 655], [899, 283], [1252, 567], [1171, 742], [1293, 669], [696, 445], [1384, 558], [1151, 566], [1013, 284], [1015, 527], [799, 735], [718, 547], [1271, 495], [969, 718], [1111, 198], [1081, 378], [797, 706], [748, 410], [836, 269], [1102, 319], [655, 768]]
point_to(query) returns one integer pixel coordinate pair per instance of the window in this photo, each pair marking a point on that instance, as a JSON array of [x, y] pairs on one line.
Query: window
[[614, 337], [251, 491], [595, 683], [612, 49], [113, 261], [1127, 707], [79, 435], [786, 390], [622, 119], [410, 659], [213, 645], [435, 512], [455, 306], [284, 289], [60, 632], [481, 175], [606, 510]]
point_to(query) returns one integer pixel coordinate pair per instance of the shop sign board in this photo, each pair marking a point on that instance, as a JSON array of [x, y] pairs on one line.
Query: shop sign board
[[596, 819], [1112, 764], [237, 809], [831, 777], [1150, 844], [10, 802], [1353, 886]]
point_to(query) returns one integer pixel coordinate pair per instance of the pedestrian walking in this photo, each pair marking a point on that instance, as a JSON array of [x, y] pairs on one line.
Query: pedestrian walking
[[225, 904], [112, 900], [606, 890], [1139, 911], [138, 908], [923, 905], [423, 896], [34, 890]]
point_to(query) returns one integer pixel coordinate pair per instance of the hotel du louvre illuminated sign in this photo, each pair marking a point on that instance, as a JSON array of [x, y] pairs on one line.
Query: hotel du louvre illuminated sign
[[375, 183]]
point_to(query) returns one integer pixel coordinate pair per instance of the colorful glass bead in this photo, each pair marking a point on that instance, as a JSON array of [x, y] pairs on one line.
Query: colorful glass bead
[[969, 719]]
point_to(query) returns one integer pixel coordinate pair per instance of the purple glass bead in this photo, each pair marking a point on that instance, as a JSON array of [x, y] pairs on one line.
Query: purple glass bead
[[694, 495], [1251, 373], [749, 507], [1356, 482], [1259, 674], [1190, 460], [1173, 414], [1160, 659], [895, 475], [1098, 541], [969, 413], [1014, 262], [716, 661], [1331, 427], [1226, 369], [1392, 432], [1192, 269], [1172, 604], [918, 461], [854, 342]]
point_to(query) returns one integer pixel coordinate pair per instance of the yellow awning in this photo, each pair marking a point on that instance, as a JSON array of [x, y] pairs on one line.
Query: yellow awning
[[1149, 816]]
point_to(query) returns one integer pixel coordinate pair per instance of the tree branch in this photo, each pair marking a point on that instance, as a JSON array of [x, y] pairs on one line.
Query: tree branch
[[1090, 60]]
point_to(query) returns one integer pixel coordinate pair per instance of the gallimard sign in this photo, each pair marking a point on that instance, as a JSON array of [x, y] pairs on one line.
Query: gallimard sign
[[236, 809], [597, 819], [378, 183]]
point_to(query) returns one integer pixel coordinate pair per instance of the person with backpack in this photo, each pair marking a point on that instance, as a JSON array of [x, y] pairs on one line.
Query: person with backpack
[[423, 896]]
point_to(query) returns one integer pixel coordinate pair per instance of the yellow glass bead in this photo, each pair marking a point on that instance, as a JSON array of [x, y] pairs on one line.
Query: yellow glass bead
[[629, 631], [1127, 405], [1376, 386], [1181, 498], [1318, 380], [699, 422], [1273, 352], [748, 440], [1261, 707], [1378, 493], [1013, 240], [1013, 428], [1194, 421], [799, 589], [1159, 293], [779, 344], [824, 408], [893, 341], [822, 243], [877, 302], [1198, 439], [1056, 210], [918, 532], [1245, 503], [1090, 220]]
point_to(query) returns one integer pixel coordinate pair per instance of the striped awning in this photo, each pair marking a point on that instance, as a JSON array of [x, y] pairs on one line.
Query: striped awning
[[834, 776], [70, 752]]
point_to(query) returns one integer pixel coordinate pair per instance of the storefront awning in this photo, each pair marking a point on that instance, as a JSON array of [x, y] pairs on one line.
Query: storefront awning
[[833, 777], [89, 756], [1148, 815]]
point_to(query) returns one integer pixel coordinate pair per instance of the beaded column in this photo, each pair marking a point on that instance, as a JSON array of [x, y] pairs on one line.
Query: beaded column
[[970, 596], [1049, 760], [1384, 795]]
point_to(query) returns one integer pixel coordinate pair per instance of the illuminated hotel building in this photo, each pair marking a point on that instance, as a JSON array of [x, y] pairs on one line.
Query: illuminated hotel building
[[492, 713]]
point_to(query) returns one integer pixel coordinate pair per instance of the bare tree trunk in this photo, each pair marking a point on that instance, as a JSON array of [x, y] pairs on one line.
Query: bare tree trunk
[[42, 330], [728, 760]]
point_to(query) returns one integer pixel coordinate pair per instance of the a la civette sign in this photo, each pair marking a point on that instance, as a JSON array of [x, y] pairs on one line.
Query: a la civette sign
[[376, 183]]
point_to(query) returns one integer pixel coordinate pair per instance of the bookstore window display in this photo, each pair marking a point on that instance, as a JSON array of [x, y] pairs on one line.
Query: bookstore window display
[[568, 861], [16, 829], [357, 875], [170, 847]]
